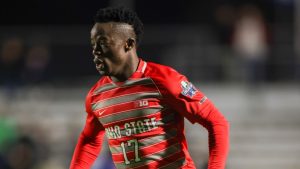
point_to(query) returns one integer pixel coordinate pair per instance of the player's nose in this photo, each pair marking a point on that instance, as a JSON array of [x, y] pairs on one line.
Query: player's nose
[[97, 60], [96, 52]]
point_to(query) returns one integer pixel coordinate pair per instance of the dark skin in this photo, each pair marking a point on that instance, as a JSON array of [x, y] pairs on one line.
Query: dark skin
[[114, 50]]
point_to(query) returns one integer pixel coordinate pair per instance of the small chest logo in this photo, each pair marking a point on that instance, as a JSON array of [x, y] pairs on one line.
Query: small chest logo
[[101, 112], [141, 103], [188, 89]]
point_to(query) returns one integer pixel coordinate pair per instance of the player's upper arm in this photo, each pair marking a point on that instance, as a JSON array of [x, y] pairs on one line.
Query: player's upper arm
[[183, 96], [92, 124]]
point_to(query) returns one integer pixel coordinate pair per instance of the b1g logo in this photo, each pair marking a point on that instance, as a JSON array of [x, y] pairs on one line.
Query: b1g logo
[[141, 103], [188, 89]]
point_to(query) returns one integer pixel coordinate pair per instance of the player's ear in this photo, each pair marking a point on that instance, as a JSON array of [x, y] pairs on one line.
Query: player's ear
[[130, 43]]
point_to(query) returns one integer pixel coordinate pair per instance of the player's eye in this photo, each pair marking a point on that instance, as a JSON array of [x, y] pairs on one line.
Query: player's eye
[[103, 42]]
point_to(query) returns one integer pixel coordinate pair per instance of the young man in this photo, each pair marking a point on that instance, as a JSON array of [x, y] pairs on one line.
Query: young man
[[141, 106]]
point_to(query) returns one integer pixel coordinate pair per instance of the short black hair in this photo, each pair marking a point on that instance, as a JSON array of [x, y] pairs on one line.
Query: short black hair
[[121, 15]]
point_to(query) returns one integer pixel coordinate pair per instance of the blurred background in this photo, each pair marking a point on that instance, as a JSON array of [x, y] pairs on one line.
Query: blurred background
[[243, 54]]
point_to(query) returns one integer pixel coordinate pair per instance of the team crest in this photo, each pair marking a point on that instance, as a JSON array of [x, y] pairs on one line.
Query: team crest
[[188, 89]]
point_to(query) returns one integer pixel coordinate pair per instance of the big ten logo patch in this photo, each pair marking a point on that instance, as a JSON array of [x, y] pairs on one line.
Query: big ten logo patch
[[141, 103], [188, 89]]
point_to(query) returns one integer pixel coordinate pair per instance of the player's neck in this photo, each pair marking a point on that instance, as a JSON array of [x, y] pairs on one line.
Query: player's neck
[[128, 69]]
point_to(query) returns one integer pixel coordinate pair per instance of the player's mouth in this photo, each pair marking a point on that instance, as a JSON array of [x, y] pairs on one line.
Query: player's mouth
[[100, 66]]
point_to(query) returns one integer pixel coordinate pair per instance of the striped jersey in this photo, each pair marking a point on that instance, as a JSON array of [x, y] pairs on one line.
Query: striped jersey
[[143, 117]]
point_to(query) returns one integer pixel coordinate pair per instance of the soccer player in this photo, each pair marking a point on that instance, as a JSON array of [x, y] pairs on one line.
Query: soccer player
[[140, 106]]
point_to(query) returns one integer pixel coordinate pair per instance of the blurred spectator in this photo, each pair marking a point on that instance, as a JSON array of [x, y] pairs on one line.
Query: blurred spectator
[[250, 43], [35, 64], [8, 135], [21, 146], [105, 160], [11, 58], [8, 132], [224, 16], [22, 154]]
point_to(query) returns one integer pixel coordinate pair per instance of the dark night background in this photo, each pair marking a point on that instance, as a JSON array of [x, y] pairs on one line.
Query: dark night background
[[23, 17]]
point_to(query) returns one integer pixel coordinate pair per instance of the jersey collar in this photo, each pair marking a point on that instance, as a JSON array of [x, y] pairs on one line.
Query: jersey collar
[[140, 69]]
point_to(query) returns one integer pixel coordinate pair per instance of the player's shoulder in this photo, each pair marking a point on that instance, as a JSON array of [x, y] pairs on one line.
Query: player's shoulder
[[161, 72], [102, 81], [165, 77], [90, 94]]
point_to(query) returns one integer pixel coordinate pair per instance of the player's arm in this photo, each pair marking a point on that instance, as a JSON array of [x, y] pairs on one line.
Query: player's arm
[[195, 106], [89, 143], [218, 130]]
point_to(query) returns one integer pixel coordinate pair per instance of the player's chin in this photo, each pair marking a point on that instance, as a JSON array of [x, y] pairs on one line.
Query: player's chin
[[102, 72]]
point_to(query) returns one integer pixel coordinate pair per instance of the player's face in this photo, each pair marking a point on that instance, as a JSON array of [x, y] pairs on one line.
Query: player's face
[[108, 49]]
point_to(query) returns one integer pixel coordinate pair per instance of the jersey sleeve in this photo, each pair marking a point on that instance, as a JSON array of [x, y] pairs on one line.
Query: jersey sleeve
[[90, 141], [191, 103]]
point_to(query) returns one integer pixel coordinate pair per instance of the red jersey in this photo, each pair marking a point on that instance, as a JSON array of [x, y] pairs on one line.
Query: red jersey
[[143, 119]]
